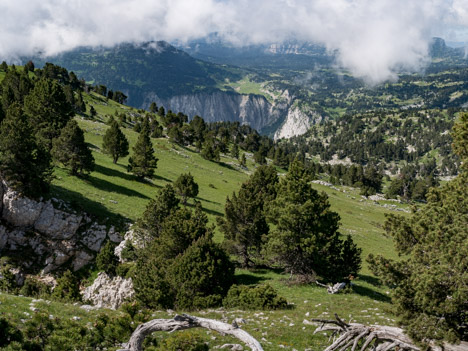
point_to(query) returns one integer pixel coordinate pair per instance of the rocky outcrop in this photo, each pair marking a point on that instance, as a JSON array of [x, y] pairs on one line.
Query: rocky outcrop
[[297, 122], [106, 292], [51, 233], [254, 110]]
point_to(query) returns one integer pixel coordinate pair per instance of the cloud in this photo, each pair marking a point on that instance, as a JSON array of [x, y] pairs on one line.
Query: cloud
[[373, 38]]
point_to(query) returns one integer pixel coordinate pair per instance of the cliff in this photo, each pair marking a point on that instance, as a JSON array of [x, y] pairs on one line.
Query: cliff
[[50, 232]]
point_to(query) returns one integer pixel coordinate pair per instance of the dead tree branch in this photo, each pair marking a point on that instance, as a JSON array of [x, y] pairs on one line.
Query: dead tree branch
[[377, 337], [184, 321]]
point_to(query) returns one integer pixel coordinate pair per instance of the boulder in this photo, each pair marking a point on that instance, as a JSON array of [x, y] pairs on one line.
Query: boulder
[[109, 292]]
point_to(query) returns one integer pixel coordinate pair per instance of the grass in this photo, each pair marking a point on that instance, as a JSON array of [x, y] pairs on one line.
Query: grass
[[113, 195]]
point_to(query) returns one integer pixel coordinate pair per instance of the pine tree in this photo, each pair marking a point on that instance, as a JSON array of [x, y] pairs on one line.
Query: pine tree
[[114, 142], [430, 293], [48, 110], [143, 162], [71, 150], [306, 240], [23, 163], [186, 187], [157, 210], [244, 224]]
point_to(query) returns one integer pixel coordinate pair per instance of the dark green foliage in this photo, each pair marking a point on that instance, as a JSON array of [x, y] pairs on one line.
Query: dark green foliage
[[34, 288], [71, 150], [80, 106], [92, 111], [4, 66], [181, 267], [306, 240], [257, 297], [430, 293], [23, 163], [182, 341], [244, 224], [209, 151], [201, 276], [68, 287], [8, 281], [157, 210], [114, 142], [9, 333], [106, 260], [48, 110], [186, 187], [153, 108], [143, 162], [14, 88]]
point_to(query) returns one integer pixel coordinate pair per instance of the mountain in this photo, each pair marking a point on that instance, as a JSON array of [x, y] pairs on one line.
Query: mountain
[[159, 72]]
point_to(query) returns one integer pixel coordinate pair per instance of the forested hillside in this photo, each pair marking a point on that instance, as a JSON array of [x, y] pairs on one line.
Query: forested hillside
[[223, 222]]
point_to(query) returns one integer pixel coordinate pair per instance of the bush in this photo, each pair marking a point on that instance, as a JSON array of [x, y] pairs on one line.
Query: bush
[[34, 288], [201, 276], [68, 288], [106, 260], [256, 297]]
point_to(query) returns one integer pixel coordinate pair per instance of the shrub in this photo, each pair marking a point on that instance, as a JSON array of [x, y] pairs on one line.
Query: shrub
[[34, 288], [106, 260], [201, 276], [68, 288], [256, 297]]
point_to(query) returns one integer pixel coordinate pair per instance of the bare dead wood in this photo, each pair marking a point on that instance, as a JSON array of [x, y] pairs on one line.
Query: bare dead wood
[[184, 321], [377, 337]]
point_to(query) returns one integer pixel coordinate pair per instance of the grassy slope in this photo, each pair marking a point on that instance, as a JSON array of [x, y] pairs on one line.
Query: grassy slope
[[111, 192]]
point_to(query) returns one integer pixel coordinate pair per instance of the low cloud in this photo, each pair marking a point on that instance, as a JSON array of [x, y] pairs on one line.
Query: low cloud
[[373, 39]]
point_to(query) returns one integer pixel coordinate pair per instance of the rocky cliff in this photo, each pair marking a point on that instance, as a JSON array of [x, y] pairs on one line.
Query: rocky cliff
[[280, 117], [50, 232]]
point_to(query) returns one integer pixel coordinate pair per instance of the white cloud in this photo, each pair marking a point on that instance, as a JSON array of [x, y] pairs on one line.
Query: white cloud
[[373, 37]]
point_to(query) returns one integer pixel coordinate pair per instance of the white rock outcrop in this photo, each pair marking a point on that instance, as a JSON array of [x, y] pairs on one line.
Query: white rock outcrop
[[54, 236], [106, 292]]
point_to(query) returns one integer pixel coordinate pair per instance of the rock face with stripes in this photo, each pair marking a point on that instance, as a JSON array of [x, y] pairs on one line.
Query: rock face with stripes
[[51, 231]]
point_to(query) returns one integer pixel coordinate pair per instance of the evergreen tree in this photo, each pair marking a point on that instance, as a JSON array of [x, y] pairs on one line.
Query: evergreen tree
[[80, 106], [67, 288], [235, 151], [186, 187], [106, 260], [430, 293], [158, 209], [23, 163], [244, 224], [71, 150], [48, 110], [306, 240], [153, 108], [143, 162], [114, 142]]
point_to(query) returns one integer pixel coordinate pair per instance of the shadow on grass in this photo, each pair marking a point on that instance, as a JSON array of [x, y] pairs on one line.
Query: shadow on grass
[[371, 280], [205, 200], [93, 208], [206, 210], [114, 173], [248, 279], [364, 291], [104, 185]]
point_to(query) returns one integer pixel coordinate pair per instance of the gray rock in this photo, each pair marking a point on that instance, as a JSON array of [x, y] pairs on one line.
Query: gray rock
[[81, 259], [94, 237], [109, 293], [57, 224]]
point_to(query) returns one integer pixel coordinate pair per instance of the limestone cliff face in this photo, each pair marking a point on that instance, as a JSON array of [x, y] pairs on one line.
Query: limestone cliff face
[[51, 233], [254, 110], [297, 122]]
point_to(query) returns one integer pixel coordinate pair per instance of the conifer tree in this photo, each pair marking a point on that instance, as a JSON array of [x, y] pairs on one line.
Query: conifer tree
[[71, 150], [430, 294], [143, 162], [114, 142], [244, 224], [306, 240], [186, 187], [48, 110], [23, 163]]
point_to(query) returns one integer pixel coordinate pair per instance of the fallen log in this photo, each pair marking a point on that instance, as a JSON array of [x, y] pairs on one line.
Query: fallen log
[[185, 321], [356, 336]]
